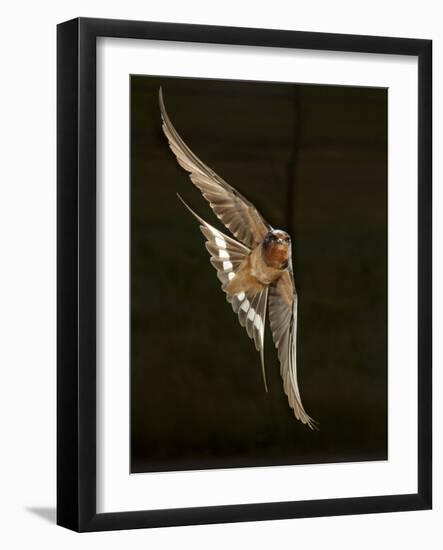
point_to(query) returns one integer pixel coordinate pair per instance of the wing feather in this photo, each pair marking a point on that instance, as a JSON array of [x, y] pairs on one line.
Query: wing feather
[[226, 256], [283, 320], [237, 213]]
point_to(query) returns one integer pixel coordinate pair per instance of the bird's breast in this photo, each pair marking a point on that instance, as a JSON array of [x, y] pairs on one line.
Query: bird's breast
[[266, 271], [276, 255]]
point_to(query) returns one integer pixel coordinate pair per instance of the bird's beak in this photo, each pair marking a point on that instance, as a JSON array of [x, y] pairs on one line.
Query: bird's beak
[[280, 241]]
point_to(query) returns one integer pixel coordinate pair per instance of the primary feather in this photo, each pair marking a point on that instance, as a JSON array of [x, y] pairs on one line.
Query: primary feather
[[231, 207], [283, 304]]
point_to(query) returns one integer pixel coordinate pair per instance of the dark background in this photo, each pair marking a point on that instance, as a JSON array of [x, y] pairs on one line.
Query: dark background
[[313, 159]]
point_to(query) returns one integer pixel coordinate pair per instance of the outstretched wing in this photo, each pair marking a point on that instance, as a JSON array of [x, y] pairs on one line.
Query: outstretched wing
[[233, 210], [283, 321], [226, 256]]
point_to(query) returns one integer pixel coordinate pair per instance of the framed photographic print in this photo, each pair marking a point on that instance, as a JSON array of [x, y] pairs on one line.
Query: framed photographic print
[[244, 274]]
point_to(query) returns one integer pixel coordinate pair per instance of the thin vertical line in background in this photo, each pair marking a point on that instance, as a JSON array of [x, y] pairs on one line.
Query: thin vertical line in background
[[294, 159]]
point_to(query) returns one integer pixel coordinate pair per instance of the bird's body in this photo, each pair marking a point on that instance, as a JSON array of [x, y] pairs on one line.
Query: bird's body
[[254, 266], [263, 266]]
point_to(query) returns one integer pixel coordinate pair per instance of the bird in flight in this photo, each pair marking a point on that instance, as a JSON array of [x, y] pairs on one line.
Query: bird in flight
[[254, 267]]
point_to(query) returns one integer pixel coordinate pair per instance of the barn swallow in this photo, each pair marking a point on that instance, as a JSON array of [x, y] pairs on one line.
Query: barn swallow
[[254, 266]]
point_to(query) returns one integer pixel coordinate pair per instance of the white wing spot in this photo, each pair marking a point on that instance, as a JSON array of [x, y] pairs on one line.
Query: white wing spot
[[214, 231], [241, 296], [258, 322], [220, 242], [251, 314], [227, 266], [231, 275], [223, 254], [245, 304]]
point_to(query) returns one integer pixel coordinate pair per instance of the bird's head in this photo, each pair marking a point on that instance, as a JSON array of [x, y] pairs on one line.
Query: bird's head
[[277, 248], [277, 237]]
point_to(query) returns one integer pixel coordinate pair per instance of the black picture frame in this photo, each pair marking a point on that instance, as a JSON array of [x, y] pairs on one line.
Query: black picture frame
[[76, 274]]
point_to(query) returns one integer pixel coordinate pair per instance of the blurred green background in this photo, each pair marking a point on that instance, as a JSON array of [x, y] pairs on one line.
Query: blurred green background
[[313, 159]]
